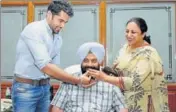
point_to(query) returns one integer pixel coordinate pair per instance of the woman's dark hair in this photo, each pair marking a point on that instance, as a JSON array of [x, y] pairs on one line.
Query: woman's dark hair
[[57, 6], [142, 25]]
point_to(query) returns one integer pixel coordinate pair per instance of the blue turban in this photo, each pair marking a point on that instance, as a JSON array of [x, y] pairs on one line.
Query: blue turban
[[93, 47]]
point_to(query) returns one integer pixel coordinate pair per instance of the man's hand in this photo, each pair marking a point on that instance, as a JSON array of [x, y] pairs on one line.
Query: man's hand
[[92, 82], [54, 108], [99, 75], [85, 79]]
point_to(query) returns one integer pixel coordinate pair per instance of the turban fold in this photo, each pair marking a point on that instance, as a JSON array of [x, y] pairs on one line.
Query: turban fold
[[93, 47]]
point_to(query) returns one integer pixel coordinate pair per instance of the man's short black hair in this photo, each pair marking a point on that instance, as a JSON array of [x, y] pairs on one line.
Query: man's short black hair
[[57, 6]]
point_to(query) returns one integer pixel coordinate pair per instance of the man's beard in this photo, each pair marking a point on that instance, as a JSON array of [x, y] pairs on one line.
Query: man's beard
[[85, 68], [56, 32]]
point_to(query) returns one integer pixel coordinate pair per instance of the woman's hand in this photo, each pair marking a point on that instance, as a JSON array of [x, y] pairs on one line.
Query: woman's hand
[[98, 75]]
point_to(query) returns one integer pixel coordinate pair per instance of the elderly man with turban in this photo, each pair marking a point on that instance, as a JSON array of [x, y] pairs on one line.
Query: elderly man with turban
[[100, 97]]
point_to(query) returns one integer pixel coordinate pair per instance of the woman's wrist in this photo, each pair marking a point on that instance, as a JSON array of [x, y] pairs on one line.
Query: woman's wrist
[[111, 79], [105, 78]]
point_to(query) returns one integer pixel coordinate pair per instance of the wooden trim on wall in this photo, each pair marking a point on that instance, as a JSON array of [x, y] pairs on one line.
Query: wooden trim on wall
[[13, 3], [41, 3], [74, 2], [138, 1], [102, 23], [78, 2], [88, 2], [30, 12], [84, 2]]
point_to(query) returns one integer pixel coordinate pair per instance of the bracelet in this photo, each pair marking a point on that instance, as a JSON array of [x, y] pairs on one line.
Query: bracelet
[[119, 82]]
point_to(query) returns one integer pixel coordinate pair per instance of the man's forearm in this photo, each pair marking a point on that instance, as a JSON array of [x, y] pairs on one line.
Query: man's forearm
[[56, 109], [54, 71], [124, 110]]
